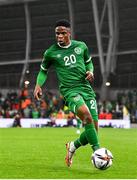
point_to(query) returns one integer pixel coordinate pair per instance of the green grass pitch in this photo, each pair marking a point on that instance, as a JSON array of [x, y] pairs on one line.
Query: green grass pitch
[[40, 152]]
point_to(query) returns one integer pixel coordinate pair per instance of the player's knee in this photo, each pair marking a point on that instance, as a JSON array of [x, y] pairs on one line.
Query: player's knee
[[84, 115], [87, 117]]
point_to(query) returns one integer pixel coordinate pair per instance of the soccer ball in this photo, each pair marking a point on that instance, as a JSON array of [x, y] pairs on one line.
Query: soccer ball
[[102, 158]]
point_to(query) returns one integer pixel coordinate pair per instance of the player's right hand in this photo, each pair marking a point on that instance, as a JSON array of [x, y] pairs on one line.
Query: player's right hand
[[37, 92]]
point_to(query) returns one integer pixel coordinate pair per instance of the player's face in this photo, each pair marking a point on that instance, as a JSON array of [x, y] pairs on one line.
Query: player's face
[[62, 35]]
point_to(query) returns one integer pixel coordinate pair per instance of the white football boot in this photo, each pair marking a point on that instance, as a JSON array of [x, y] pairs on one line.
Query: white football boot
[[70, 152]]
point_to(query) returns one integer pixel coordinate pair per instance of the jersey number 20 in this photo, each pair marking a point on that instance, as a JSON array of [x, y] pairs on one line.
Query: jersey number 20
[[70, 60]]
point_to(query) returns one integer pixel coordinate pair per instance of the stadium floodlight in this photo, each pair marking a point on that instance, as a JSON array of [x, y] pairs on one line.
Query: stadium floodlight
[[27, 71], [26, 82], [108, 83]]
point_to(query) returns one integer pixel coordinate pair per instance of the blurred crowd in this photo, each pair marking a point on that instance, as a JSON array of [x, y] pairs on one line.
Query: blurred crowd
[[53, 106]]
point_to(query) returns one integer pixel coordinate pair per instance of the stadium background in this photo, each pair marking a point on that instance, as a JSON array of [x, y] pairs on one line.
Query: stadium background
[[26, 30], [108, 28]]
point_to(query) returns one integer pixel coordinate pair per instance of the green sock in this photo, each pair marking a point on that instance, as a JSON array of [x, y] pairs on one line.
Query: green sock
[[92, 136], [81, 141], [77, 143]]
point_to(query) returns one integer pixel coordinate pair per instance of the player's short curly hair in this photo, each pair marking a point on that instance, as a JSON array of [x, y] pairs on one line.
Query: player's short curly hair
[[62, 22]]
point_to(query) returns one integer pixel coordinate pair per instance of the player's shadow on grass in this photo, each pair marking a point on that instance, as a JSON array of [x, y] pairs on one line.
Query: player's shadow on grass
[[88, 172], [70, 171]]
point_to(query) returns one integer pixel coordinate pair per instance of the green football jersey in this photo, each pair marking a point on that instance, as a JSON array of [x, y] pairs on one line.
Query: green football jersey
[[70, 65]]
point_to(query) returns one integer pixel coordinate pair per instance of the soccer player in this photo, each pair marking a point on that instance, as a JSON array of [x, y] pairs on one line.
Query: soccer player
[[74, 70]]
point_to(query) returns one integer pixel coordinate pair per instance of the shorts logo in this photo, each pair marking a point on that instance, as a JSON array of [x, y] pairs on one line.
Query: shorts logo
[[77, 50], [77, 98]]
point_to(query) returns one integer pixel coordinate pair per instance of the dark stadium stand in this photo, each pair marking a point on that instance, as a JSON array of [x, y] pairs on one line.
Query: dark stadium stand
[[12, 33], [43, 16]]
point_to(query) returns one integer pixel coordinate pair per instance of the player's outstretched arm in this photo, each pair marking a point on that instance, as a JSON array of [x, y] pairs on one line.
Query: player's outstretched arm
[[41, 78]]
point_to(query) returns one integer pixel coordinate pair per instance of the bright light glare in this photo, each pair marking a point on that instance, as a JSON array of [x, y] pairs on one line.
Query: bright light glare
[[107, 83], [26, 82]]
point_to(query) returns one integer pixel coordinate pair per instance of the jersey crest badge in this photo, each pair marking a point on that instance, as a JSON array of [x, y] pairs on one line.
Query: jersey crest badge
[[77, 50]]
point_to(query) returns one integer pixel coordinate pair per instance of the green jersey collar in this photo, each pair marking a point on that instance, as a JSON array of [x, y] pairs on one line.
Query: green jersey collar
[[65, 46]]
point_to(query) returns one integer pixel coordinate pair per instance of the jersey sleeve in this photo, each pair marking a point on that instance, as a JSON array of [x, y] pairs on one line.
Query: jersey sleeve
[[46, 62], [88, 59], [41, 78]]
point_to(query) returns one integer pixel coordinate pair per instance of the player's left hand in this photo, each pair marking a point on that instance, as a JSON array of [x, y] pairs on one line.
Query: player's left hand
[[89, 76]]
